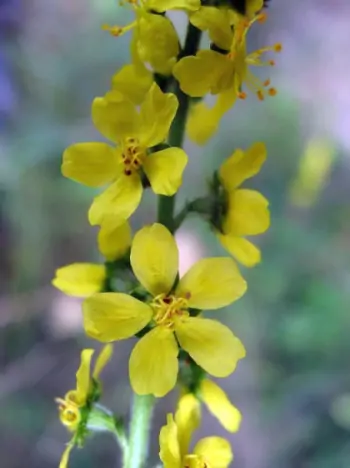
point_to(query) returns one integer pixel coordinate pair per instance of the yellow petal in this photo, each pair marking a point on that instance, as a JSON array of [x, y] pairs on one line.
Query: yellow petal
[[65, 455], [242, 165], [120, 200], [80, 279], [216, 451], [92, 164], [114, 239], [248, 213], [253, 7], [83, 377], [164, 170], [217, 23], [198, 75], [154, 258], [203, 121], [102, 360], [212, 283], [164, 5], [168, 442], [114, 316], [220, 406], [153, 364], [159, 30], [133, 82], [157, 113], [187, 419], [115, 119], [242, 249], [211, 344]]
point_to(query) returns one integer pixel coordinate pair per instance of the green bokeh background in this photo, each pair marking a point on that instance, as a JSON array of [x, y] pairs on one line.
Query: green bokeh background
[[293, 386]]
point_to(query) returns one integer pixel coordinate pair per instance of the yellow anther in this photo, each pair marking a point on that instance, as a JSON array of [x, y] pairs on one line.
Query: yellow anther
[[267, 82], [242, 95], [272, 91], [277, 47], [272, 63], [261, 17], [260, 95], [113, 30]]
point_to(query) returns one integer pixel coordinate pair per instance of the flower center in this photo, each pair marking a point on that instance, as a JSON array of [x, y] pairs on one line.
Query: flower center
[[195, 461], [133, 155], [168, 309], [69, 413]]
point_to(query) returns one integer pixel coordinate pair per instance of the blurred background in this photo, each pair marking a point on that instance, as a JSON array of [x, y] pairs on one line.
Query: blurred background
[[294, 386]]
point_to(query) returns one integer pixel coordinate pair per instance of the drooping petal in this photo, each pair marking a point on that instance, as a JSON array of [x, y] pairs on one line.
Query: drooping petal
[[91, 164], [203, 121], [80, 279], [159, 30], [133, 81], [211, 345], [154, 258], [115, 117], [220, 406], [66, 454], [120, 200], [248, 213], [157, 113], [153, 364], [83, 377], [102, 360], [200, 74], [242, 165], [114, 316], [216, 451], [164, 170], [114, 238], [212, 283], [163, 5], [187, 419], [216, 22], [168, 442], [242, 249]]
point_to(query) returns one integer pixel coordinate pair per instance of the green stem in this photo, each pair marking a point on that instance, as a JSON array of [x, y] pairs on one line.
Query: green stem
[[166, 205], [140, 425]]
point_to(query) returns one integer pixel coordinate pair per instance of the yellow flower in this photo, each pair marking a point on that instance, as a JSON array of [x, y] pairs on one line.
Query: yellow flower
[[157, 43], [314, 169], [77, 399], [175, 437], [84, 279], [219, 405], [247, 211], [221, 73], [211, 283], [97, 164]]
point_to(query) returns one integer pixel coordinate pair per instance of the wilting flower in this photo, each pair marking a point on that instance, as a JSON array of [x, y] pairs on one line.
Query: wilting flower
[[134, 133], [221, 72], [175, 438], [84, 279], [75, 408], [211, 283], [157, 42], [246, 211]]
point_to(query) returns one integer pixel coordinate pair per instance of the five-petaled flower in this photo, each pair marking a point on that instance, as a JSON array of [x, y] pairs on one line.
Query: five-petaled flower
[[211, 283], [221, 72], [246, 211], [74, 408], [175, 438], [97, 164]]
